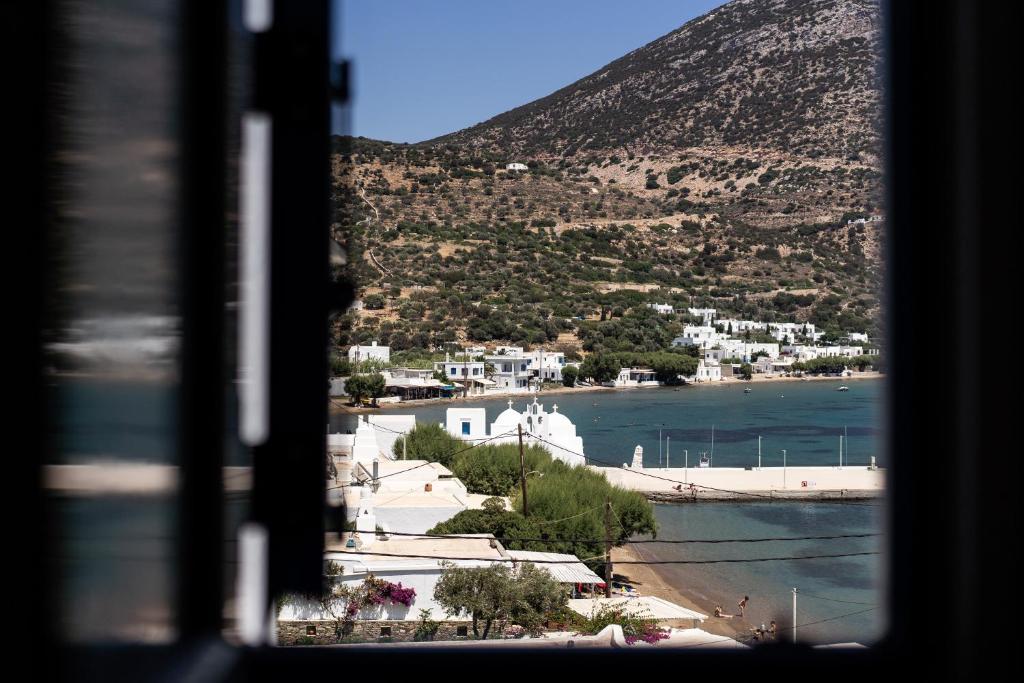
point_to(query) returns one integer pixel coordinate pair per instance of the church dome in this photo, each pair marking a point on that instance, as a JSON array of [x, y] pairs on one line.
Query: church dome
[[559, 424], [508, 417]]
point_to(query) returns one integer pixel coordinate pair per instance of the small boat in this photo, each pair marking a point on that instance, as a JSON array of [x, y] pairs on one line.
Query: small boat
[[704, 461], [843, 388], [747, 390]]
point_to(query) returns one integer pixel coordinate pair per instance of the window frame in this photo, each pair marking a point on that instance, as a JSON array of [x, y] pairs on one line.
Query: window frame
[[935, 510]]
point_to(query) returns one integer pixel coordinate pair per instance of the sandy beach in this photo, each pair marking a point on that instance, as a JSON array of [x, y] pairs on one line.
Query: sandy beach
[[339, 403], [647, 581]]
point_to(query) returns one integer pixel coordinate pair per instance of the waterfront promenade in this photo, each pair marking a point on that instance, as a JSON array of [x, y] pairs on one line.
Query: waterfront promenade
[[738, 483]]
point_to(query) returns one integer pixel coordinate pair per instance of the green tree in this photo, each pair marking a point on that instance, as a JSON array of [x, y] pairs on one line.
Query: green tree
[[504, 524], [428, 441], [498, 595], [355, 387], [600, 367], [746, 371], [340, 367], [569, 375], [375, 386], [669, 366]]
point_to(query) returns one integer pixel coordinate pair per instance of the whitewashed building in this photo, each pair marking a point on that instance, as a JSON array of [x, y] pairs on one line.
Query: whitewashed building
[[707, 372], [770, 366], [552, 431], [708, 314], [375, 436], [546, 365], [664, 309], [516, 166], [701, 336], [358, 354], [634, 377], [511, 373], [416, 562], [733, 326], [509, 350]]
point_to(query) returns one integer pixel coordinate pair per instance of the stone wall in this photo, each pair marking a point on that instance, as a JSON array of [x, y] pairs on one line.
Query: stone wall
[[324, 632]]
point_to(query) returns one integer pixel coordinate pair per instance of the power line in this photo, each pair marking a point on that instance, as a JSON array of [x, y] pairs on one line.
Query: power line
[[846, 602], [425, 464], [644, 542], [841, 616], [553, 521], [638, 562]]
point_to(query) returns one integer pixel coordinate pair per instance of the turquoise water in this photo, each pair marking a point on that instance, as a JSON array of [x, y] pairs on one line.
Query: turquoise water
[[806, 419]]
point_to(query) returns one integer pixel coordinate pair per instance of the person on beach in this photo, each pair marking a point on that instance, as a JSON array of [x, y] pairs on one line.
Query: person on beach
[[719, 613], [743, 604], [772, 630]]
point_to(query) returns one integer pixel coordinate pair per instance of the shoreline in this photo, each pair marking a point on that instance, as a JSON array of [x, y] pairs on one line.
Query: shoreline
[[337, 403], [649, 581]]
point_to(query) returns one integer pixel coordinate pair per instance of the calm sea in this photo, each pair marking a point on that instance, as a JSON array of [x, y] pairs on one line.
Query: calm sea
[[838, 598], [117, 552]]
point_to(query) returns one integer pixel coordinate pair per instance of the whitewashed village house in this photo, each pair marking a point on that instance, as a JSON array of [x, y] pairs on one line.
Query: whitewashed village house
[[634, 377], [511, 371], [357, 353]]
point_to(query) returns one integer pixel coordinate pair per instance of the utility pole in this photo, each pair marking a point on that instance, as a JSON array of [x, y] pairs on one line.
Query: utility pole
[[668, 442], [686, 465], [659, 447], [783, 468], [607, 548], [522, 467], [794, 614], [840, 451], [759, 452], [405, 443]]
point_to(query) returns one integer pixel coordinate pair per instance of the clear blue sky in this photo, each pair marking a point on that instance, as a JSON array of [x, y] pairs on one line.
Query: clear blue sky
[[429, 67]]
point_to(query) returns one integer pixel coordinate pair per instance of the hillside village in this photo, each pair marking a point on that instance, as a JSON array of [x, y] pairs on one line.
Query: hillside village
[[717, 349]]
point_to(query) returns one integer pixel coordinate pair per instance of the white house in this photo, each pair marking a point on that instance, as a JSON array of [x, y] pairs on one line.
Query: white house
[[375, 436], [701, 336], [733, 326], [456, 370], [511, 372], [708, 314], [634, 377], [416, 562], [357, 354], [552, 431], [516, 166], [858, 337], [770, 366], [788, 332], [420, 572], [509, 350], [664, 309], [546, 365], [707, 372]]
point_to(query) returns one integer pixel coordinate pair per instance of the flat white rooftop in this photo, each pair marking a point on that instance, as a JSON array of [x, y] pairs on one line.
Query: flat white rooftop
[[651, 606]]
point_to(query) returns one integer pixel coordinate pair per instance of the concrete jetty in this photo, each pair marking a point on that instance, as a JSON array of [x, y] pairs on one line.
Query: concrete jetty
[[754, 484]]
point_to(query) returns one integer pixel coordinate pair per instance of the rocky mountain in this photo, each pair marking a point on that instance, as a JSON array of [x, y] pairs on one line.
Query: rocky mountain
[[722, 165], [795, 76]]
